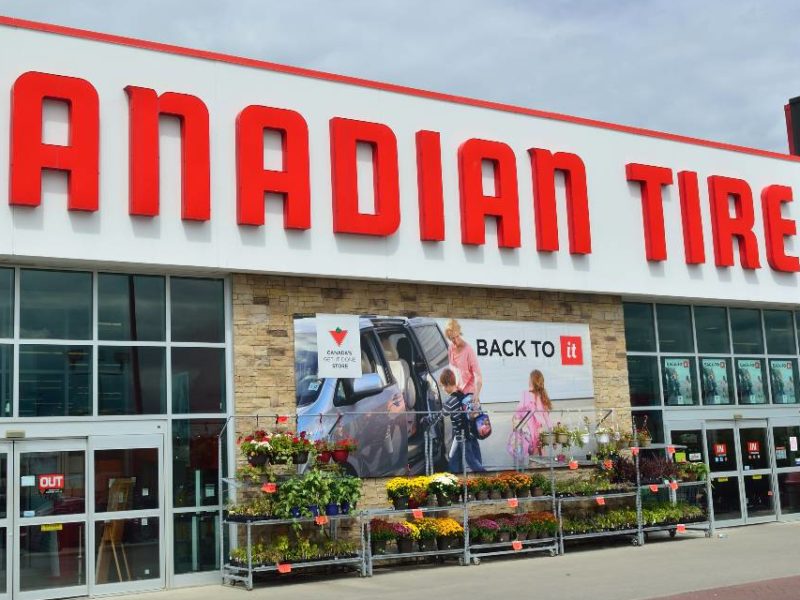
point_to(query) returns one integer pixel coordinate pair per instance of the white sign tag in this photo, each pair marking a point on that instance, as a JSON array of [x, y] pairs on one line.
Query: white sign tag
[[793, 443], [338, 346], [27, 481], [211, 490]]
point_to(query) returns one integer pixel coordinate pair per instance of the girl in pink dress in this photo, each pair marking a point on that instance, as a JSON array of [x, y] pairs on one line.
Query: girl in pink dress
[[524, 441]]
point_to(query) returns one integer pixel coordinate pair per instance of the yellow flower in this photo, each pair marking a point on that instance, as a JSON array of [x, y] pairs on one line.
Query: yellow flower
[[448, 527]]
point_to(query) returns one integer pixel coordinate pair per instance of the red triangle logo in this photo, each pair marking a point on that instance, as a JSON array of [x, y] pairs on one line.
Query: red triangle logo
[[338, 335]]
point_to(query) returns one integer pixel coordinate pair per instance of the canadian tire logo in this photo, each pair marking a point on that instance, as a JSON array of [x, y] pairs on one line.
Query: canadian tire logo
[[338, 335], [571, 350]]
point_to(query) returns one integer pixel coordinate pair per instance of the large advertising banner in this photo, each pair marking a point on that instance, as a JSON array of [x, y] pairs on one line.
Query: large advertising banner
[[524, 374]]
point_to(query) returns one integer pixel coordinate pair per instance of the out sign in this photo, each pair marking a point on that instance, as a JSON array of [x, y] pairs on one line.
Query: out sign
[[51, 483]]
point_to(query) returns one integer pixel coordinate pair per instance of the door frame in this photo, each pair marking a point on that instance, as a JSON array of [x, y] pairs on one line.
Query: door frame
[[7, 522], [127, 442], [20, 447]]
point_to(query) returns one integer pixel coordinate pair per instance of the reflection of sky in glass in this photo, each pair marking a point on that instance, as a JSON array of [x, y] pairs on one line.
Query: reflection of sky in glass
[[55, 304], [131, 307]]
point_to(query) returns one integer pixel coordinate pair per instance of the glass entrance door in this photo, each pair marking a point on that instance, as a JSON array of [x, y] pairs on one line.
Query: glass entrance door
[[49, 519], [739, 458], [127, 513]]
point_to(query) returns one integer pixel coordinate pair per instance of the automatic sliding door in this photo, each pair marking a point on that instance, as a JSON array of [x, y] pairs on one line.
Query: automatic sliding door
[[50, 519]]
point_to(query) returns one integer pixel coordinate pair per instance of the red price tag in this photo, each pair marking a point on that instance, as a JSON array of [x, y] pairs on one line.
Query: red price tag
[[321, 520], [417, 513], [284, 568], [573, 464], [282, 419], [769, 493], [513, 502], [516, 545], [601, 501], [653, 488], [671, 449], [634, 450], [269, 488], [673, 485], [681, 528]]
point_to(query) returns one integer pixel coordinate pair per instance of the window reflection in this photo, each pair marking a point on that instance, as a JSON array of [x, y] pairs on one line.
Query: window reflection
[[55, 381], [55, 305]]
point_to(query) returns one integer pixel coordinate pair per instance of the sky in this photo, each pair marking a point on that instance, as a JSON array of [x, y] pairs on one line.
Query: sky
[[719, 70]]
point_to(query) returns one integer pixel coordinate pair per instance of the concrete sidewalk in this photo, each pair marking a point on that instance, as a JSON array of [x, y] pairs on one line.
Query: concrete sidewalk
[[661, 568]]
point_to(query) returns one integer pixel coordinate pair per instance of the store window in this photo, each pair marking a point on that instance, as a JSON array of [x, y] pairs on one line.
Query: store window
[[653, 421], [195, 470], [643, 380], [746, 329], [55, 305], [640, 334], [131, 307], [786, 440], [693, 440], [198, 380], [55, 381], [674, 328], [196, 542], [679, 376], [751, 381], [131, 380], [711, 327], [197, 310], [779, 329], [6, 303]]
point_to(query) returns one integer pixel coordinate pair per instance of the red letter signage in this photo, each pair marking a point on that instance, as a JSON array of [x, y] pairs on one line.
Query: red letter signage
[[145, 106], [776, 228], [346, 134], [29, 154], [544, 165], [725, 227], [651, 178], [693, 248], [475, 205], [429, 186], [254, 180]]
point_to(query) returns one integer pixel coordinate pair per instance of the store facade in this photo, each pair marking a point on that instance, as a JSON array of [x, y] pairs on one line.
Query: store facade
[[170, 212]]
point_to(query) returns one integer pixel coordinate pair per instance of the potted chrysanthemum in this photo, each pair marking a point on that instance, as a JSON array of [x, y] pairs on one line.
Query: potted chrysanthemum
[[449, 534]]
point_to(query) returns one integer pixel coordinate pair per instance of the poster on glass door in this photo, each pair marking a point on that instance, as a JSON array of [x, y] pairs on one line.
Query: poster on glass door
[[782, 379]]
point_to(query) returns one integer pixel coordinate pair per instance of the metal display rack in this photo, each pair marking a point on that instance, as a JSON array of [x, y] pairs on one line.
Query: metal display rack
[[706, 526], [634, 533], [232, 573], [363, 559], [461, 553]]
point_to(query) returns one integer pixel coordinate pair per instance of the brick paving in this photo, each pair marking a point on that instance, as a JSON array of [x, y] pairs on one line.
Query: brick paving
[[786, 588]]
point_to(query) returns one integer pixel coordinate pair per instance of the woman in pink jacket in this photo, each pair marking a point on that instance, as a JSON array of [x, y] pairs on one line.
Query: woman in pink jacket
[[524, 440]]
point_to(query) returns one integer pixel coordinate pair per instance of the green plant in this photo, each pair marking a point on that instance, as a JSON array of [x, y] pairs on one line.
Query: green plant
[[345, 488], [693, 471]]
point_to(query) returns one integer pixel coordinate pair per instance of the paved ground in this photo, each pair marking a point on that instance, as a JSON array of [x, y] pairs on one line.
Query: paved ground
[[786, 588], [661, 569]]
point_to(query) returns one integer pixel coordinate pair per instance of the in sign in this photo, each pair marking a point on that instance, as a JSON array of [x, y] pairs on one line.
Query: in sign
[[52, 483], [720, 449], [754, 447]]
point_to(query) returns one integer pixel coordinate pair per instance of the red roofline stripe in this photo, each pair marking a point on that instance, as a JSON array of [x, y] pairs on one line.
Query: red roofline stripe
[[388, 87]]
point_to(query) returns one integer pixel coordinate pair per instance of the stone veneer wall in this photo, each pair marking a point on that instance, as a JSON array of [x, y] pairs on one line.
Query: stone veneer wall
[[263, 309]]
